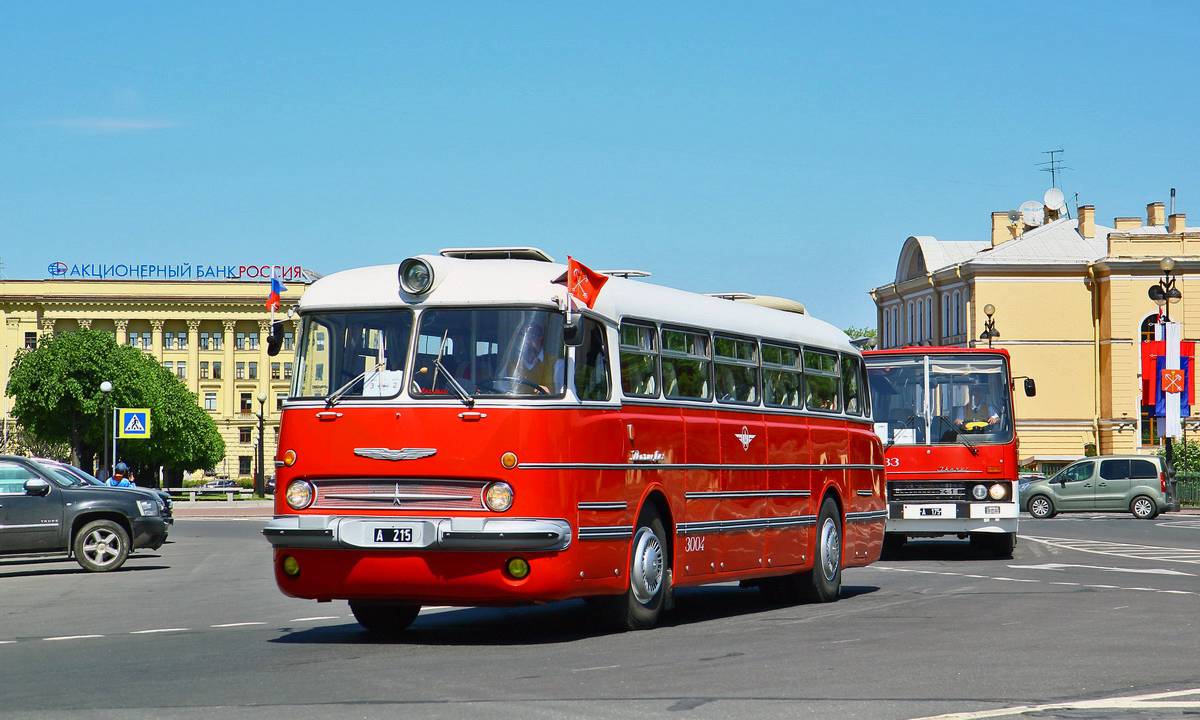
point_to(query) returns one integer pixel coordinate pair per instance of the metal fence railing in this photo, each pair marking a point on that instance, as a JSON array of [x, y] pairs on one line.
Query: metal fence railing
[[1187, 485]]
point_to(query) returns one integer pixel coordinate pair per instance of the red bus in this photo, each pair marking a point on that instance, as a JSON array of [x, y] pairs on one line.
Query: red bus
[[945, 415], [461, 431]]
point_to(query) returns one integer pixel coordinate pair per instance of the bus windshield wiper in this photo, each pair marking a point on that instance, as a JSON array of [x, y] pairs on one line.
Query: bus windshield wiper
[[467, 398], [970, 445], [336, 395]]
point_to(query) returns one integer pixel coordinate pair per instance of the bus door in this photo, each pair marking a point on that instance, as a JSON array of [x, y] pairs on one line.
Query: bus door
[[743, 441], [788, 455], [865, 491], [827, 435]]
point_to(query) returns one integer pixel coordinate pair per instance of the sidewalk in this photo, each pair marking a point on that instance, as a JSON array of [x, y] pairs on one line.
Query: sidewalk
[[223, 508]]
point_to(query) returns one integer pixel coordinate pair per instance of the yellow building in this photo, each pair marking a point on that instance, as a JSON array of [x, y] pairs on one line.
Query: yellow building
[[1072, 309], [212, 334]]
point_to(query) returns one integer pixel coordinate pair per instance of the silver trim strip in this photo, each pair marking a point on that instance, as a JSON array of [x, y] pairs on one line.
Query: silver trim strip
[[716, 495], [47, 525], [613, 532], [936, 472], [766, 523], [694, 466], [602, 506], [868, 515], [866, 493]]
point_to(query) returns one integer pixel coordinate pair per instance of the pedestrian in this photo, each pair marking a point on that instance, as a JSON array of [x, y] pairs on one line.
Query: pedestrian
[[118, 479]]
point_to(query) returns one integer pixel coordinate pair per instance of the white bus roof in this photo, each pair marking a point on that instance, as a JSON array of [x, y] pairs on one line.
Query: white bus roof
[[464, 281]]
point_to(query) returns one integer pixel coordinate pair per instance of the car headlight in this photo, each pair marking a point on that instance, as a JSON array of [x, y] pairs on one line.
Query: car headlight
[[980, 492], [416, 276], [300, 494], [498, 496], [147, 507], [998, 491]]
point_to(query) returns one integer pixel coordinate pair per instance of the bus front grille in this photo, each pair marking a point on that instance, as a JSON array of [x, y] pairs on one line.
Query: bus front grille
[[927, 491], [403, 494]]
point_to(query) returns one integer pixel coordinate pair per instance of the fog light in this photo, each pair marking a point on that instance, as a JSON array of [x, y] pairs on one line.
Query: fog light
[[979, 491], [518, 568], [498, 496], [300, 494], [508, 460], [291, 566], [289, 458], [997, 491]]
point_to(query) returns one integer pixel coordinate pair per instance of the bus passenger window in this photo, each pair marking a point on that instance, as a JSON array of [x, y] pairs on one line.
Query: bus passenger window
[[639, 360], [591, 363], [821, 381], [736, 366], [685, 359], [781, 375], [851, 389]]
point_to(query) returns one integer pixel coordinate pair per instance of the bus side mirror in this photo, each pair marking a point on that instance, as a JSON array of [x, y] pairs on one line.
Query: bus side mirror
[[1030, 388], [573, 330], [275, 339]]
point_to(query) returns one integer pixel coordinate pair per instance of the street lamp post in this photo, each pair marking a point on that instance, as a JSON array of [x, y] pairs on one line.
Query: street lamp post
[[106, 388], [259, 485], [1165, 294], [989, 327]]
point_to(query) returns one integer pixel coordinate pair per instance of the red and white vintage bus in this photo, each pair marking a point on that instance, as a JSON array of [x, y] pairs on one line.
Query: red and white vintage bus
[[462, 431], [945, 415]]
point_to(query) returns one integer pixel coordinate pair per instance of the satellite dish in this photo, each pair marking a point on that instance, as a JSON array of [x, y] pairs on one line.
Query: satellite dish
[[1031, 213], [1054, 199], [1013, 216]]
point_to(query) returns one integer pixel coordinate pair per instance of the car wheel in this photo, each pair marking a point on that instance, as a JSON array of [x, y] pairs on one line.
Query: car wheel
[[1143, 508], [639, 606], [824, 582], [384, 618], [101, 546], [1040, 507]]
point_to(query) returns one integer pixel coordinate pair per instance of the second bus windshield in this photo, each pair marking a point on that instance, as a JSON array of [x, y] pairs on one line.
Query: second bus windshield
[[940, 399]]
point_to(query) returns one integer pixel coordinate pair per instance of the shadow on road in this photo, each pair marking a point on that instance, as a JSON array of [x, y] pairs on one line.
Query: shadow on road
[[560, 622], [941, 549]]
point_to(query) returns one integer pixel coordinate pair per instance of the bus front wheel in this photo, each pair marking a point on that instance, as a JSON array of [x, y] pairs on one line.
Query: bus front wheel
[[384, 618], [649, 577], [824, 582]]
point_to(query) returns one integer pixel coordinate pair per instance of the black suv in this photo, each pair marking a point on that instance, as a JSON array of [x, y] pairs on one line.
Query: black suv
[[46, 512]]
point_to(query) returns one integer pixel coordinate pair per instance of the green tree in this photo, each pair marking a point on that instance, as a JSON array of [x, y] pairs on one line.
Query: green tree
[[56, 388], [863, 332]]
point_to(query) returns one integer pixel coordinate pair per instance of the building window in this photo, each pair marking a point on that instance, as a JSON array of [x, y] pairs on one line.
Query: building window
[[239, 371], [169, 341], [274, 371], [203, 341], [929, 318], [911, 319], [210, 401], [279, 398], [181, 370], [959, 325], [243, 464], [287, 371], [245, 402], [204, 370], [169, 366], [146, 344], [1149, 326], [244, 434], [252, 341], [1150, 427], [31, 340], [288, 341], [945, 314], [216, 371], [183, 340], [239, 341], [253, 371], [218, 341]]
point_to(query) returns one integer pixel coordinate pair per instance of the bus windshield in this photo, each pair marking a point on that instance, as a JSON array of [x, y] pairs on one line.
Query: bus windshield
[[490, 352], [941, 399], [352, 354]]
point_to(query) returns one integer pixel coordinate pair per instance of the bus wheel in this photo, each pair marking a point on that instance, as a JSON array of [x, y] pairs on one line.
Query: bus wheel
[[384, 618], [649, 577], [824, 582]]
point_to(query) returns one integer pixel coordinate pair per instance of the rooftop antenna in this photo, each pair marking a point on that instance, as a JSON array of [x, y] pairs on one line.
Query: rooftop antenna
[[1055, 166]]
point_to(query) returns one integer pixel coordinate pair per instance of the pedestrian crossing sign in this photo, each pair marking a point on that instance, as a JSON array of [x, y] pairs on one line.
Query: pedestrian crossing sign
[[133, 423]]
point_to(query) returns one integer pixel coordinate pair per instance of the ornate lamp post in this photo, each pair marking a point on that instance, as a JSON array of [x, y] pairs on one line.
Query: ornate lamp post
[[106, 388], [989, 327], [259, 485], [1165, 294]]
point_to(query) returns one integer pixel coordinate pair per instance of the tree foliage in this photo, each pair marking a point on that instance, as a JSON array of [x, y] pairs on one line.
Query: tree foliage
[[863, 332], [56, 388]]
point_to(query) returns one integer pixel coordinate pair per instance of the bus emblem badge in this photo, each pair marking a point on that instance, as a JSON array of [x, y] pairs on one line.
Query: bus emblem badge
[[745, 437], [390, 454]]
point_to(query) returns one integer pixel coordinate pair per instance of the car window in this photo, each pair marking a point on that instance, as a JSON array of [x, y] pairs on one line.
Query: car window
[[1114, 469], [1078, 472], [13, 477], [1143, 469]]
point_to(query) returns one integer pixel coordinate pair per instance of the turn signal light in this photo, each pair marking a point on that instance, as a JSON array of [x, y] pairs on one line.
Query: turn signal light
[[289, 458], [291, 566]]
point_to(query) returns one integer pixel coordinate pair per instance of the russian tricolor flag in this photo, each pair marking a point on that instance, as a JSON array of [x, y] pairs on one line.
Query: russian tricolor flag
[[277, 287]]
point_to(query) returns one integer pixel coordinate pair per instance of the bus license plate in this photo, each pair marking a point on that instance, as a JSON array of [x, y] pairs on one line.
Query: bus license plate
[[394, 535], [927, 512], [991, 509]]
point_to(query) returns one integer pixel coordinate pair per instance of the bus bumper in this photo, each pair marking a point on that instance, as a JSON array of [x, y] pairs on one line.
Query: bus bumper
[[331, 532], [951, 518]]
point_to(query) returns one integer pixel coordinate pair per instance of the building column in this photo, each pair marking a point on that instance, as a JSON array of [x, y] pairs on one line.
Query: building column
[[264, 365], [229, 383], [47, 326], [156, 340], [85, 324], [122, 334], [193, 340]]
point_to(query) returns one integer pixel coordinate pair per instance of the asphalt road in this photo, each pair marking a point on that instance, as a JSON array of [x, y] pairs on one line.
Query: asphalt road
[[1091, 611]]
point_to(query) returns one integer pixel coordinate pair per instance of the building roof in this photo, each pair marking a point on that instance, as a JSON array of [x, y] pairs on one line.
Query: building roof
[[1057, 242]]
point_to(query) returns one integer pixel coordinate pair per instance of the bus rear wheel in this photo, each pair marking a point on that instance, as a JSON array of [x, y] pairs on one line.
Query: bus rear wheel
[[824, 582], [639, 607], [384, 618]]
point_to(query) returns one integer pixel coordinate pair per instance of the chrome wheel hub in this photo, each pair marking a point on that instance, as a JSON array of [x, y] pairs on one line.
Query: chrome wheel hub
[[646, 573]]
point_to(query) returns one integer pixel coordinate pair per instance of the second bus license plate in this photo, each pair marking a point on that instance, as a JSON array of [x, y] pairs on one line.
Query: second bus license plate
[[396, 534], [929, 512]]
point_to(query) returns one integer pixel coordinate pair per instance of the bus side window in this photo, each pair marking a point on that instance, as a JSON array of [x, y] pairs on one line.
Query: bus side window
[[781, 376], [821, 381], [736, 363], [851, 387], [591, 363], [686, 355], [639, 360]]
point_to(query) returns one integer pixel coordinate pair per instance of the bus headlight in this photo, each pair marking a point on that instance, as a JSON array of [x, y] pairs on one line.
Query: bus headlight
[[498, 496], [300, 494], [416, 276], [979, 491], [997, 491]]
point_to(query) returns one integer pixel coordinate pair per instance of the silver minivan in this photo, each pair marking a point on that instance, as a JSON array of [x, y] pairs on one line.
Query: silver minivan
[[1121, 483]]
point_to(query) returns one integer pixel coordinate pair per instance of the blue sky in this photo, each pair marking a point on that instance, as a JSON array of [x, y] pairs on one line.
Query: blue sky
[[781, 148]]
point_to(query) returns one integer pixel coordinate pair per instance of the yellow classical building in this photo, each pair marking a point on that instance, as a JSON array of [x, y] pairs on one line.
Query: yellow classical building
[[211, 333], [1071, 307]]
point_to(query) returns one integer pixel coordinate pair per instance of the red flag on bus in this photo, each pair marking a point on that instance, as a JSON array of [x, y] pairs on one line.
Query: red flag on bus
[[584, 283]]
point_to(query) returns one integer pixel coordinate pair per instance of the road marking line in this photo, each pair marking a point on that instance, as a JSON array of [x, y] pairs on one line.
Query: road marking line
[[240, 624], [1131, 702], [602, 667], [73, 637], [160, 630], [1141, 571], [319, 617]]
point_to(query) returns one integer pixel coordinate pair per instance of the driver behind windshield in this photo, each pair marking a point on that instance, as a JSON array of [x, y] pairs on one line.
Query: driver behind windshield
[[532, 365], [976, 411]]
